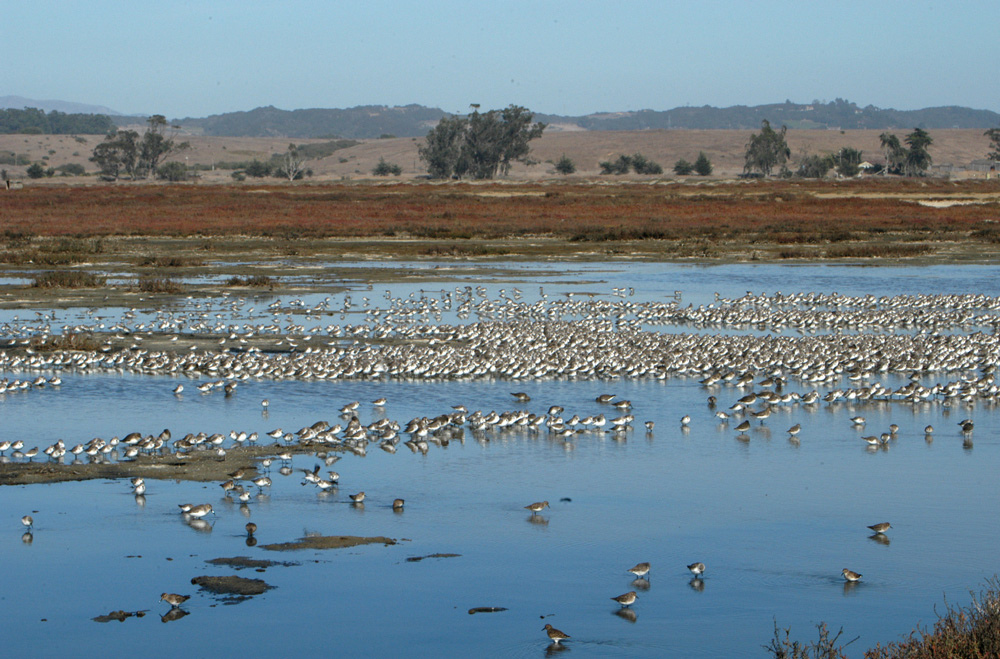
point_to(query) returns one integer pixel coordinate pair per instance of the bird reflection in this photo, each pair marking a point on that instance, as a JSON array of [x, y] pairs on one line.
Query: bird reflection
[[140, 500], [245, 509], [200, 525], [251, 541], [175, 613], [538, 520], [27, 538], [555, 648], [697, 584], [641, 584], [880, 538], [626, 614], [850, 586]]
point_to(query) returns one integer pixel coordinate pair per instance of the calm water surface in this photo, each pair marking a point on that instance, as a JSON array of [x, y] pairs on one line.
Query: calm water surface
[[775, 521]]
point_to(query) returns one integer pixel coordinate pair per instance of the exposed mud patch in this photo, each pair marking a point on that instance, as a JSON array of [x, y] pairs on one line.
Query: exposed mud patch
[[416, 559], [245, 562], [232, 589], [119, 616], [328, 542]]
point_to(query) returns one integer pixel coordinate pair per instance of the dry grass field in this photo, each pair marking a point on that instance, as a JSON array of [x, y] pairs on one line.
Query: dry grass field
[[724, 148]]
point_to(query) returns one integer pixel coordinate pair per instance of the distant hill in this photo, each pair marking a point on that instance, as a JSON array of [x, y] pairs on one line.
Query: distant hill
[[374, 121], [20, 102], [838, 114], [362, 122]]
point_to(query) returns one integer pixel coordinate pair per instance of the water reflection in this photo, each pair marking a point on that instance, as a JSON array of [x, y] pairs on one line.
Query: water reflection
[[626, 614], [27, 538], [640, 584], [697, 584], [199, 525], [173, 614], [880, 538]]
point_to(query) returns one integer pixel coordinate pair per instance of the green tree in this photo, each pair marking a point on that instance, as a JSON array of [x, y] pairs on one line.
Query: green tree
[[620, 166], [155, 146], [643, 165], [384, 168], [683, 167], [814, 166], [291, 164], [481, 145], [702, 165], [36, 170], [172, 171], [895, 154], [766, 150], [994, 135], [848, 161], [442, 149], [565, 166], [257, 169], [917, 157]]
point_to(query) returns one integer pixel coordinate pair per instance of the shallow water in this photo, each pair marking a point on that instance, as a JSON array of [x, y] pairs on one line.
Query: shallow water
[[775, 521]]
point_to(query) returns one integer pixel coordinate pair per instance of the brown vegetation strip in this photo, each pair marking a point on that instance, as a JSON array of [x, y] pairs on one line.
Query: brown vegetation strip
[[242, 562], [328, 542], [782, 211]]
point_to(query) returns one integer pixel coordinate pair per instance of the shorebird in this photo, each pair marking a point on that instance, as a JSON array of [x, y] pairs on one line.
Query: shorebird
[[200, 510], [743, 427], [262, 482], [379, 402], [521, 397], [28, 521], [554, 634], [686, 419], [397, 504], [640, 570], [650, 425], [628, 599], [173, 599], [850, 575], [604, 399], [179, 388], [537, 507], [251, 529], [795, 430], [881, 527], [929, 430], [697, 569], [357, 498], [858, 420]]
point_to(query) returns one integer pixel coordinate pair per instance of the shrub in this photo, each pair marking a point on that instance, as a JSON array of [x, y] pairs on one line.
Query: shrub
[[642, 165], [384, 168], [254, 281], [702, 165], [814, 166], [683, 167], [565, 166], [36, 170], [257, 169], [172, 171], [68, 279], [72, 169], [158, 285]]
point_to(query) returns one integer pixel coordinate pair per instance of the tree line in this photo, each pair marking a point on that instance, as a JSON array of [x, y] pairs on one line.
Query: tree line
[[768, 150], [127, 153], [32, 121]]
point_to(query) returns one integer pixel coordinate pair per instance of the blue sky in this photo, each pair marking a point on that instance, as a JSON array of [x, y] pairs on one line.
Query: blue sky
[[184, 58]]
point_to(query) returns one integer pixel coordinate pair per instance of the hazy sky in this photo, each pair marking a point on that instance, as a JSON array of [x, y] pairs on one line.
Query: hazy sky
[[183, 58]]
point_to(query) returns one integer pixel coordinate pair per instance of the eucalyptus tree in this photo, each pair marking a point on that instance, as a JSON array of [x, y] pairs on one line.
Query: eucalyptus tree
[[766, 150]]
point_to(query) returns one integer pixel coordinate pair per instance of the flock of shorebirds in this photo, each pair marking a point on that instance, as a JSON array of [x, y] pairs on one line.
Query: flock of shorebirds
[[575, 337]]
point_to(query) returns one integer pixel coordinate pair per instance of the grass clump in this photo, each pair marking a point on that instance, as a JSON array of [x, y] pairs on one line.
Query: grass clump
[[169, 262], [158, 285], [71, 341], [68, 279], [971, 632], [252, 281]]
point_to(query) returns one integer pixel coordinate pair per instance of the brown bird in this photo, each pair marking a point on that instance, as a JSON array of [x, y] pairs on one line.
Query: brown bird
[[881, 527], [850, 575], [537, 507], [640, 570], [697, 569], [628, 599], [357, 498], [397, 504], [555, 634], [251, 529], [173, 599]]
